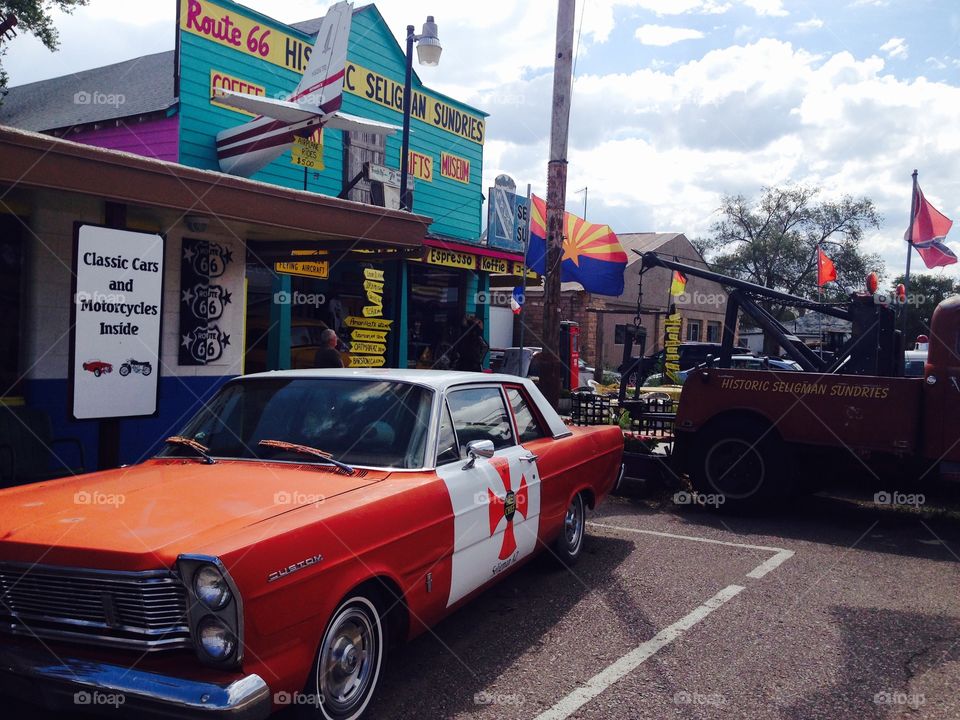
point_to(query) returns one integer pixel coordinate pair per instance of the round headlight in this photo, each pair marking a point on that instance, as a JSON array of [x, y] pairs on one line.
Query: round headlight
[[216, 639], [211, 587]]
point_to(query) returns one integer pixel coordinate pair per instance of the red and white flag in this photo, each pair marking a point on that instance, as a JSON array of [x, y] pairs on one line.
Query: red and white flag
[[927, 231]]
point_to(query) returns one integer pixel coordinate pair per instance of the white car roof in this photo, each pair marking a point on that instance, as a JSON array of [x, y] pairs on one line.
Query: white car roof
[[440, 380]]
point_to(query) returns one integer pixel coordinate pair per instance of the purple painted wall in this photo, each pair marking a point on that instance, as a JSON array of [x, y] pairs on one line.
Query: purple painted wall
[[153, 138]]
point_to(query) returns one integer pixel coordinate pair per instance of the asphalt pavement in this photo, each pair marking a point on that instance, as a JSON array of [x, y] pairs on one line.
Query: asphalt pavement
[[836, 608]]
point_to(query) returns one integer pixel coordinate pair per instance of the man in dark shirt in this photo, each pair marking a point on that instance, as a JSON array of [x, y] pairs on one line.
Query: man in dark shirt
[[327, 356]]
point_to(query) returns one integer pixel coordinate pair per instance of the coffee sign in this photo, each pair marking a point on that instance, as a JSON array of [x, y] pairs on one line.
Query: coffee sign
[[115, 358]]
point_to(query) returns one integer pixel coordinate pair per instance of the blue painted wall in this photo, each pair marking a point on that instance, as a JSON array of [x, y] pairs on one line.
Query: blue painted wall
[[180, 398], [454, 206]]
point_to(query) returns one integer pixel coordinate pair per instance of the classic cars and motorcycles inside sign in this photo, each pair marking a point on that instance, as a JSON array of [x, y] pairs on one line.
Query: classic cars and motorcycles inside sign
[[116, 322]]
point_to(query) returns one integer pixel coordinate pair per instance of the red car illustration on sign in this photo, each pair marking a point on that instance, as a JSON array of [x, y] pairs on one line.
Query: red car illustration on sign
[[332, 513], [97, 367]]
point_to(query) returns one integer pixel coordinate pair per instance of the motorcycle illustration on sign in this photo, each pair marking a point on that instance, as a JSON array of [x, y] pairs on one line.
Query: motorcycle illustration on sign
[[131, 365]]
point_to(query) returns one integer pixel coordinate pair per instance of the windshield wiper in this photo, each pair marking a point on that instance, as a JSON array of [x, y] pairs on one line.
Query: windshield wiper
[[202, 450], [307, 450]]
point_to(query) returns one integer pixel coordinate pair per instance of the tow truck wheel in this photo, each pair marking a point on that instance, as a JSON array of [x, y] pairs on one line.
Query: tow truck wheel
[[742, 463]]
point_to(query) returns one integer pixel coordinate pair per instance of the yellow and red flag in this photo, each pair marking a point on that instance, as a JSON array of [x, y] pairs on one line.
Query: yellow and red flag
[[592, 254], [679, 283]]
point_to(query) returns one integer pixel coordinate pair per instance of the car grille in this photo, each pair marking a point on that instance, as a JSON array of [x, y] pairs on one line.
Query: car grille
[[138, 610]]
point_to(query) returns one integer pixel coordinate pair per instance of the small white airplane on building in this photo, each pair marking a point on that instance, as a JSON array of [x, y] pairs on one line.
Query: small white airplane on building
[[313, 105]]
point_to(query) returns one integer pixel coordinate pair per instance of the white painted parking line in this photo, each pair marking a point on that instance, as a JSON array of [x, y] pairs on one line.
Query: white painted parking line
[[781, 556], [636, 657], [772, 564]]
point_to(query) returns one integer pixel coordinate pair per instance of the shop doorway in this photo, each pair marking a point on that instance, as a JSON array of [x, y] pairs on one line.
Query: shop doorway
[[436, 310]]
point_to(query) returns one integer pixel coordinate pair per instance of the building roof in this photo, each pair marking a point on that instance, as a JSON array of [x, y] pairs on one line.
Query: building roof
[[133, 87], [34, 161], [643, 242]]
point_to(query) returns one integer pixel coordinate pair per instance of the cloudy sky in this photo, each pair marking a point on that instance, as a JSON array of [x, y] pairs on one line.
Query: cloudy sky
[[675, 103]]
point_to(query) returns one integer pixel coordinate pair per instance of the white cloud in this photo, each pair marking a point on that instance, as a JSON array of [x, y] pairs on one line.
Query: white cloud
[[771, 8], [665, 35], [895, 48], [813, 23]]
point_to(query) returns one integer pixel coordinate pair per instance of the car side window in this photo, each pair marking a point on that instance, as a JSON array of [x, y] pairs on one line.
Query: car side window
[[528, 425], [479, 414], [447, 448]]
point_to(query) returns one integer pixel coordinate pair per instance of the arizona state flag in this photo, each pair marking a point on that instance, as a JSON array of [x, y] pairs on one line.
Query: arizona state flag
[[926, 233], [592, 254], [826, 271]]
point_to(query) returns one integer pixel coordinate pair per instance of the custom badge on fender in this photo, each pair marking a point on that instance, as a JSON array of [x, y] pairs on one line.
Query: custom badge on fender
[[290, 569]]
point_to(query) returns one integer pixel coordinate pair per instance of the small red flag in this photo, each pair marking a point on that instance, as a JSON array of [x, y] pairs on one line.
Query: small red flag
[[825, 268], [927, 232]]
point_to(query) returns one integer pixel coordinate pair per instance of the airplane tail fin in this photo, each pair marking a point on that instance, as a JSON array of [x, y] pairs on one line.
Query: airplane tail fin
[[322, 83]]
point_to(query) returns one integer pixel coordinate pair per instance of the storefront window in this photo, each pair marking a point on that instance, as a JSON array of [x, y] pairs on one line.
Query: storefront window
[[358, 148], [11, 244]]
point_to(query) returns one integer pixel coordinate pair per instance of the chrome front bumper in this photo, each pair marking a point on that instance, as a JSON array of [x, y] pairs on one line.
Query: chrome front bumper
[[89, 686]]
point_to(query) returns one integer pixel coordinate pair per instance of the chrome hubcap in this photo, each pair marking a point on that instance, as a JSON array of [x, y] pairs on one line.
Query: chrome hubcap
[[573, 523], [347, 661]]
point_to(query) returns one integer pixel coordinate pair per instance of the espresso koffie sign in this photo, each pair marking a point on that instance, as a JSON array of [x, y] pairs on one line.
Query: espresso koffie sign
[[203, 302], [115, 342]]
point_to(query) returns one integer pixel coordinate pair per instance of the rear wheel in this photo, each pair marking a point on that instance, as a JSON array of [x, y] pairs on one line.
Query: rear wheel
[[349, 660], [569, 544], [740, 465]]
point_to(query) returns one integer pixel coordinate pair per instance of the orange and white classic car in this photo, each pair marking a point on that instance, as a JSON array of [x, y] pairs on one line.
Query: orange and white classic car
[[273, 551]]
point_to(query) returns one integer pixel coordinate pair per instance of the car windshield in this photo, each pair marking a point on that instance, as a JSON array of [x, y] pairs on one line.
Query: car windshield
[[359, 422]]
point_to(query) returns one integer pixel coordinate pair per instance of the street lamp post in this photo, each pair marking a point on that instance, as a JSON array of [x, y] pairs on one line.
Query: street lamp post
[[428, 53]]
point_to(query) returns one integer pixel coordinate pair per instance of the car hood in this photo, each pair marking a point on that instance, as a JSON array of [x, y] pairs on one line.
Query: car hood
[[143, 516]]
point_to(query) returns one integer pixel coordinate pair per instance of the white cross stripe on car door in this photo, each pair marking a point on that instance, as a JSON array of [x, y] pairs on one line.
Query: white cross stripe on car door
[[496, 509]]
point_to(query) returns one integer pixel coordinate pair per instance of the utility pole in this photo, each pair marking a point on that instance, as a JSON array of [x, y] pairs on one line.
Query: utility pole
[[556, 200]]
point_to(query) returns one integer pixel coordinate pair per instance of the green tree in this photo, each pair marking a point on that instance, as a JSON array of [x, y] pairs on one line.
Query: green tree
[[34, 16], [773, 242], [923, 296]]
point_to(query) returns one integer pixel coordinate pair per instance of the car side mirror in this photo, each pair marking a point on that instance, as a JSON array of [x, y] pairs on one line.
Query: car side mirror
[[478, 449]]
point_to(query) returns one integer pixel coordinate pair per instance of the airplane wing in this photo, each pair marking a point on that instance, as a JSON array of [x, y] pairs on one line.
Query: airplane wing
[[282, 110], [352, 123]]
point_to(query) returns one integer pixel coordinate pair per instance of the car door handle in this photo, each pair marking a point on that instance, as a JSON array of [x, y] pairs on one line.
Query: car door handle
[[529, 458]]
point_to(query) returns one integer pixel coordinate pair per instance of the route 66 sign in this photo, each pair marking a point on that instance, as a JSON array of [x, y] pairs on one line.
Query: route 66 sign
[[207, 259], [206, 302], [203, 302], [205, 344]]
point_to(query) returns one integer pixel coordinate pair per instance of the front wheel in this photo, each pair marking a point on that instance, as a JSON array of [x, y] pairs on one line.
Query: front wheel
[[569, 544], [124, 370], [348, 662]]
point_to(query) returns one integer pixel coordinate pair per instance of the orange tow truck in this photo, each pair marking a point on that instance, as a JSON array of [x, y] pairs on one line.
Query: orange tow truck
[[757, 437]]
